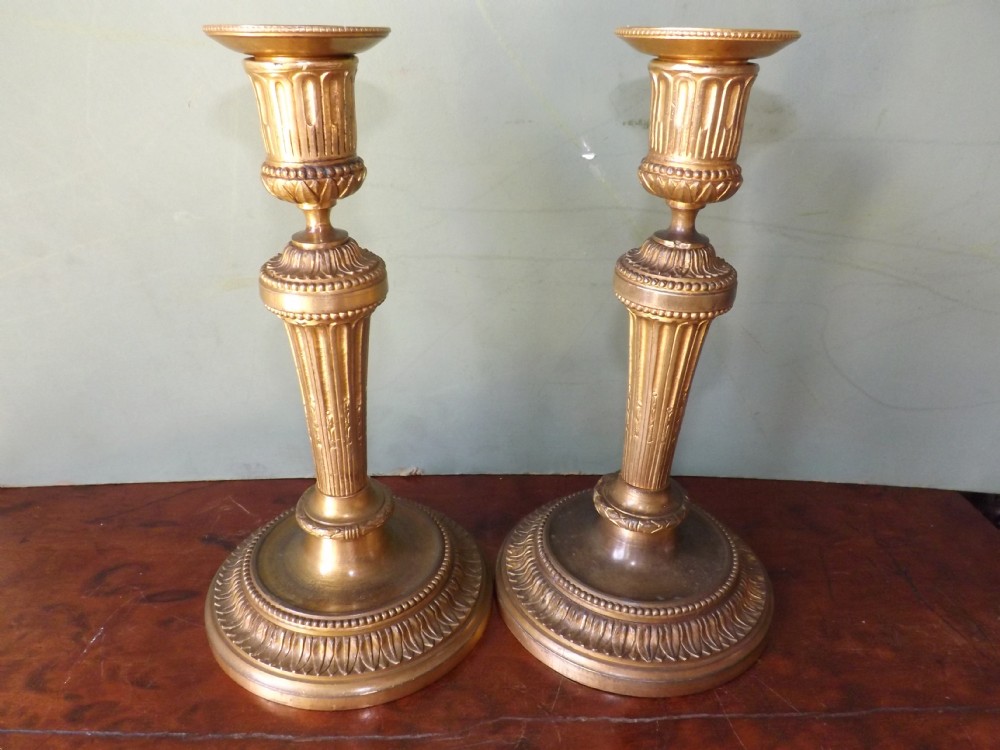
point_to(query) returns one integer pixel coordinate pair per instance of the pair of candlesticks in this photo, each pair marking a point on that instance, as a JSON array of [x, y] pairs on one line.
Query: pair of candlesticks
[[357, 597]]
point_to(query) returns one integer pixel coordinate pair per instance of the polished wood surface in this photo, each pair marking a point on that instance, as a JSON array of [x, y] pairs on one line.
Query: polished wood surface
[[886, 632]]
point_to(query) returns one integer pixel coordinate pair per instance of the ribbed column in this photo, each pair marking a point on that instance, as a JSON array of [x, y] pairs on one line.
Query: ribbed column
[[332, 365], [326, 295], [663, 355], [672, 289]]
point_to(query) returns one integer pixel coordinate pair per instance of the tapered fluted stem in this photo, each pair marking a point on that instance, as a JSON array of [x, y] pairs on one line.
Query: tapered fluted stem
[[332, 364], [663, 355], [325, 293], [673, 286]]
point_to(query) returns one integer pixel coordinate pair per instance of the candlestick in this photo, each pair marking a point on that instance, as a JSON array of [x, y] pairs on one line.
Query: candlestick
[[356, 597], [631, 588]]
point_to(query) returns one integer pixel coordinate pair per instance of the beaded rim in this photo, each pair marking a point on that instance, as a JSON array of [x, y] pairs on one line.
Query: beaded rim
[[269, 42], [757, 35], [706, 46], [277, 29]]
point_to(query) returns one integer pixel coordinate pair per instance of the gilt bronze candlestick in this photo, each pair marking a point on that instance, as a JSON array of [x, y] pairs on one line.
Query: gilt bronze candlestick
[[357, 597], [631, 588]]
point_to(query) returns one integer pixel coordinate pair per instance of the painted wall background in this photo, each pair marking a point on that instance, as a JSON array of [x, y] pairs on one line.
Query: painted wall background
[[502, 140]]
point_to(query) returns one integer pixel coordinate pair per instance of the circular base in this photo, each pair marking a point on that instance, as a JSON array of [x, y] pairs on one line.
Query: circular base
[[637, 614], [305, 637]]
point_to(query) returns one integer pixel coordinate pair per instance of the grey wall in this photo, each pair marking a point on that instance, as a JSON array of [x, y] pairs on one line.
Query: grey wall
[[502, 140]]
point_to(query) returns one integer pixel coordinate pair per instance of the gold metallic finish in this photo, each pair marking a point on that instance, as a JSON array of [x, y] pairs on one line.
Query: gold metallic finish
[[355, 597], [631, 588], [707, 45], [296, 42]]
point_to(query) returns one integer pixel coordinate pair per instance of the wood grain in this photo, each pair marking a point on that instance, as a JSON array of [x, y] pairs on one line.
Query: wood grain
[[886, 631]]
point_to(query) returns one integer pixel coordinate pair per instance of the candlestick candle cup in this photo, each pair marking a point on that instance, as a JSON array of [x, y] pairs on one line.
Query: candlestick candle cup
[[631, 588], [354, 597]]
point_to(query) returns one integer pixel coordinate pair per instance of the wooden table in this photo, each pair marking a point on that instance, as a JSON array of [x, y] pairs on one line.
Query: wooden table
[[886, 634]]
